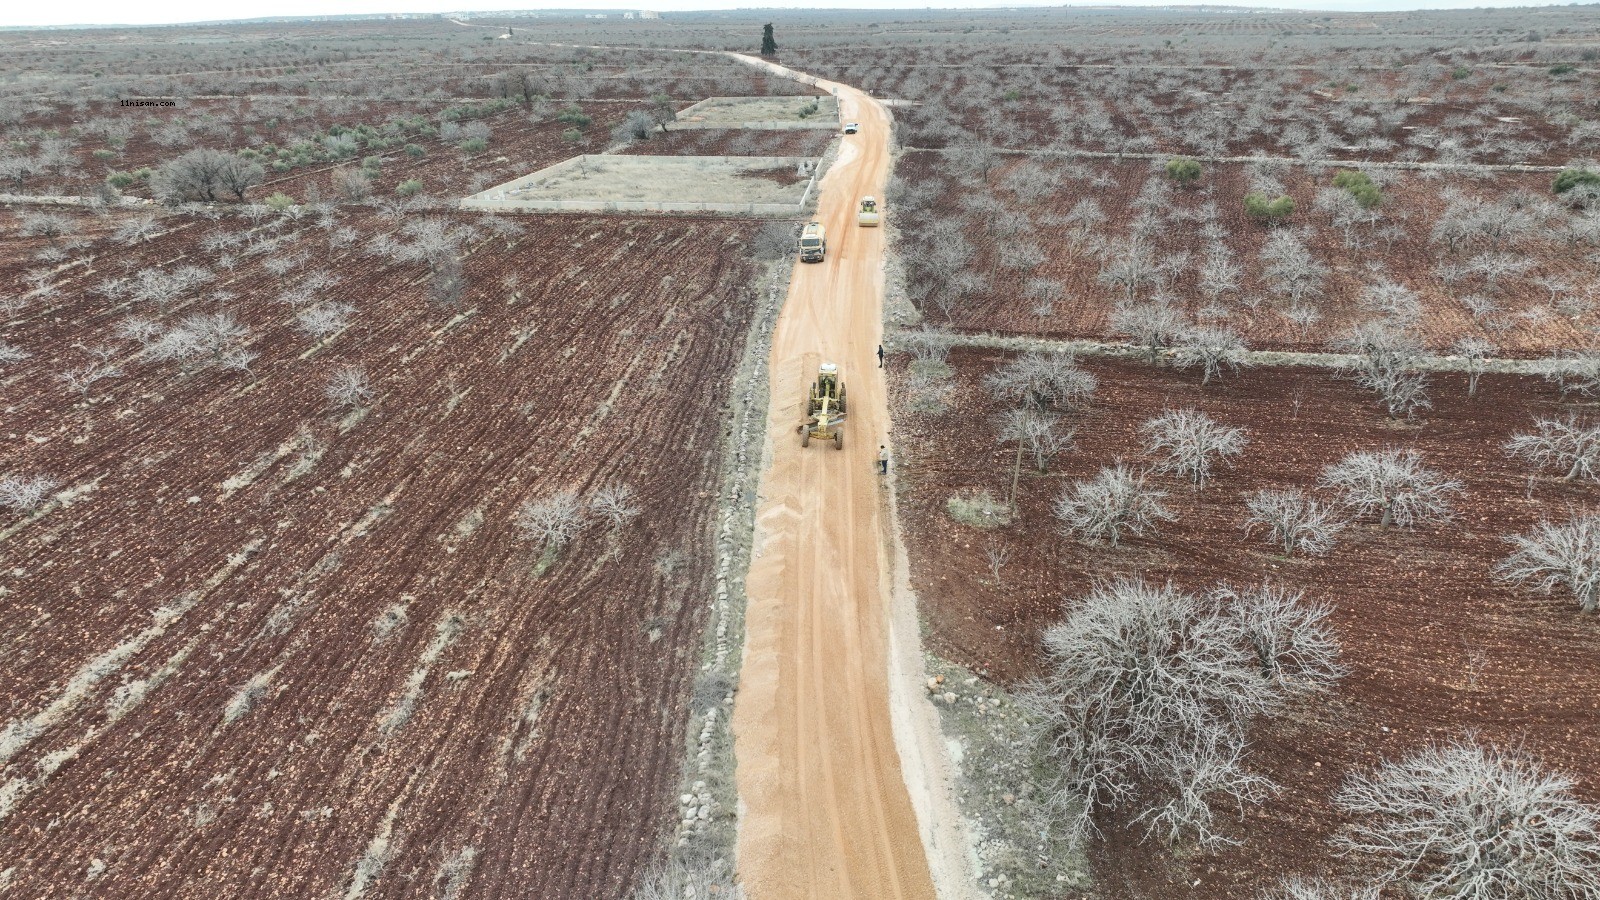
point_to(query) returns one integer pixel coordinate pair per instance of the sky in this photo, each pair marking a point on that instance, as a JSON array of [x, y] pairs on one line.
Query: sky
[[152, 12]]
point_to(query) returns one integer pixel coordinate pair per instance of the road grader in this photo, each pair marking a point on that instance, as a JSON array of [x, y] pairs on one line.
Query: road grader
[[825, 409]]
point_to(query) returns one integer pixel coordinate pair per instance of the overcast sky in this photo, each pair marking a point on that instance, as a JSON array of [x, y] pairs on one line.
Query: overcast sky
[[135, 12]]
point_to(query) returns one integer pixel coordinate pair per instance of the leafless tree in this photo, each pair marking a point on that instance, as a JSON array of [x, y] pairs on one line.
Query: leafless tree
[[325, 318], [1116, 500], [1473, 351], [1291, 266], [1564, 445], [348, 386], [1562, 556], [24, 493], [1385, 359], [1044, 381], [616, 503], [996, 554], [1394, 484], [11, 354], [1472, 822], [238, 175], [1293, 521], [1212, 348], [1576, 372], [214, 339], [46, 225], [1152, 687], [552, 521], [136, 230], [1189, 442], [1151, 325], [1297, 888]]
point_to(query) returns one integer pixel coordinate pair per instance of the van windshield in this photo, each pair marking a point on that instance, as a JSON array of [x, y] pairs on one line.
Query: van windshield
[[810, 242]]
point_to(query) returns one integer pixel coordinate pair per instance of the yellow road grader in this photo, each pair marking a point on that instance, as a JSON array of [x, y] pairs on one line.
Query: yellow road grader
[[825, 409]]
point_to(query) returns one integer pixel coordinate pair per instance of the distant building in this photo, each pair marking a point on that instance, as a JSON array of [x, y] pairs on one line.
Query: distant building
[[649, 14], [627, 15]]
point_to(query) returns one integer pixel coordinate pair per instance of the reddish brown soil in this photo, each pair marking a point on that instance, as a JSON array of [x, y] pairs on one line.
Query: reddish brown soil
[[1528, 326], [554, 742], [1412, 609], [736, 142]]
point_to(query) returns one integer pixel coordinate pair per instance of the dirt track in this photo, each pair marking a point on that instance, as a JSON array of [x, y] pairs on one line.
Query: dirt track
[[825, 810]]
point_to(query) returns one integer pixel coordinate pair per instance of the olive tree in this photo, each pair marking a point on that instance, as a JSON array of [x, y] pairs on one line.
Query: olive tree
[[1149, 693], [1114, 501], [1465, 821], [1393, 484], [1563, 445], [1292, 521], [1189, 442], [1474, 351], [1384, 360], [1563, 556], [1043, 381]]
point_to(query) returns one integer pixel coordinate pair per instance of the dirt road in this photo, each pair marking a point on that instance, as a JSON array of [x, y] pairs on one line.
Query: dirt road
[[825, 810]]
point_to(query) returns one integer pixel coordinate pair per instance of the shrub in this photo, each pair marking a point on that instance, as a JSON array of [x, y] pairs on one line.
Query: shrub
[[24, 493], [1568, 179], [978, 508], [574, 116], [1563, 69], [120, 179], [1183, 170], [572, 135], [279, 202], [408, 188], [1268, 212], [1360, 186], [474, 145], [415, 151]]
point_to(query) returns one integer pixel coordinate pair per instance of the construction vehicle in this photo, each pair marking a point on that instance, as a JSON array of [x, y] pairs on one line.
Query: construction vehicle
[[825, 409], [869, 216], [813, 243], [852, 127]]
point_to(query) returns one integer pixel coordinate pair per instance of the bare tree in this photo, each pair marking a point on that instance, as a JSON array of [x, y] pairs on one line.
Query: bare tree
[[1563, 445], [204, 339], [1393, 484], [616, 504], [1116, 500], [1152, 687], [1385, 359], [323, 319], [351, 184], [1189, 442], [1297, 888], [24, 493], [1473, 351], [1044, 381], [1035, 430], [552, 521], [11, 354], [1293, 521], [1211, 348], [1151, 325], [238, 175], [84, 377], [1576, 372], [348, 386], [1473, 822], [1564, 556]]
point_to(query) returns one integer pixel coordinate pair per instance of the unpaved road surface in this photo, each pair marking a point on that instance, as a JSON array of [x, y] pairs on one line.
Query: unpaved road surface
[[826, 813]]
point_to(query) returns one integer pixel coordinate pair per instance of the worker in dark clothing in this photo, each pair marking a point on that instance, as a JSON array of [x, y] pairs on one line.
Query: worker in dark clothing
[[883, 460], [880, 356]]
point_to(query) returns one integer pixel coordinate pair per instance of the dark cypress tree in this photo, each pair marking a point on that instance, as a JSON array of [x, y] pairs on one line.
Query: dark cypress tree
[[769, 47]]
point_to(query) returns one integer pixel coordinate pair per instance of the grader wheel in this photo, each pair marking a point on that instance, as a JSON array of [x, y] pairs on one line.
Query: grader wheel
[[838, 439], [805, 438], [841, 400]]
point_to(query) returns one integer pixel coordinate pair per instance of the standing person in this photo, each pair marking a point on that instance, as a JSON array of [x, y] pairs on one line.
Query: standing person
[[883, 460], [880, 356]]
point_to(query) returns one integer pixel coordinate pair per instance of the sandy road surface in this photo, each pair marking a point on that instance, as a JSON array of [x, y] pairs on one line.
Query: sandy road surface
[[825, 810]]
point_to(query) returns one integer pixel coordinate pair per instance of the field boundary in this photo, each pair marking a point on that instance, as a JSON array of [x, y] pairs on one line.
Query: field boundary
[[501, 198], [1291, 160], [903, 339]]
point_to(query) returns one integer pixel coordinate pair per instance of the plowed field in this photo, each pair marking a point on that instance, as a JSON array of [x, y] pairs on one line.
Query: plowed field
[[1434, 644], [263, 647]]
